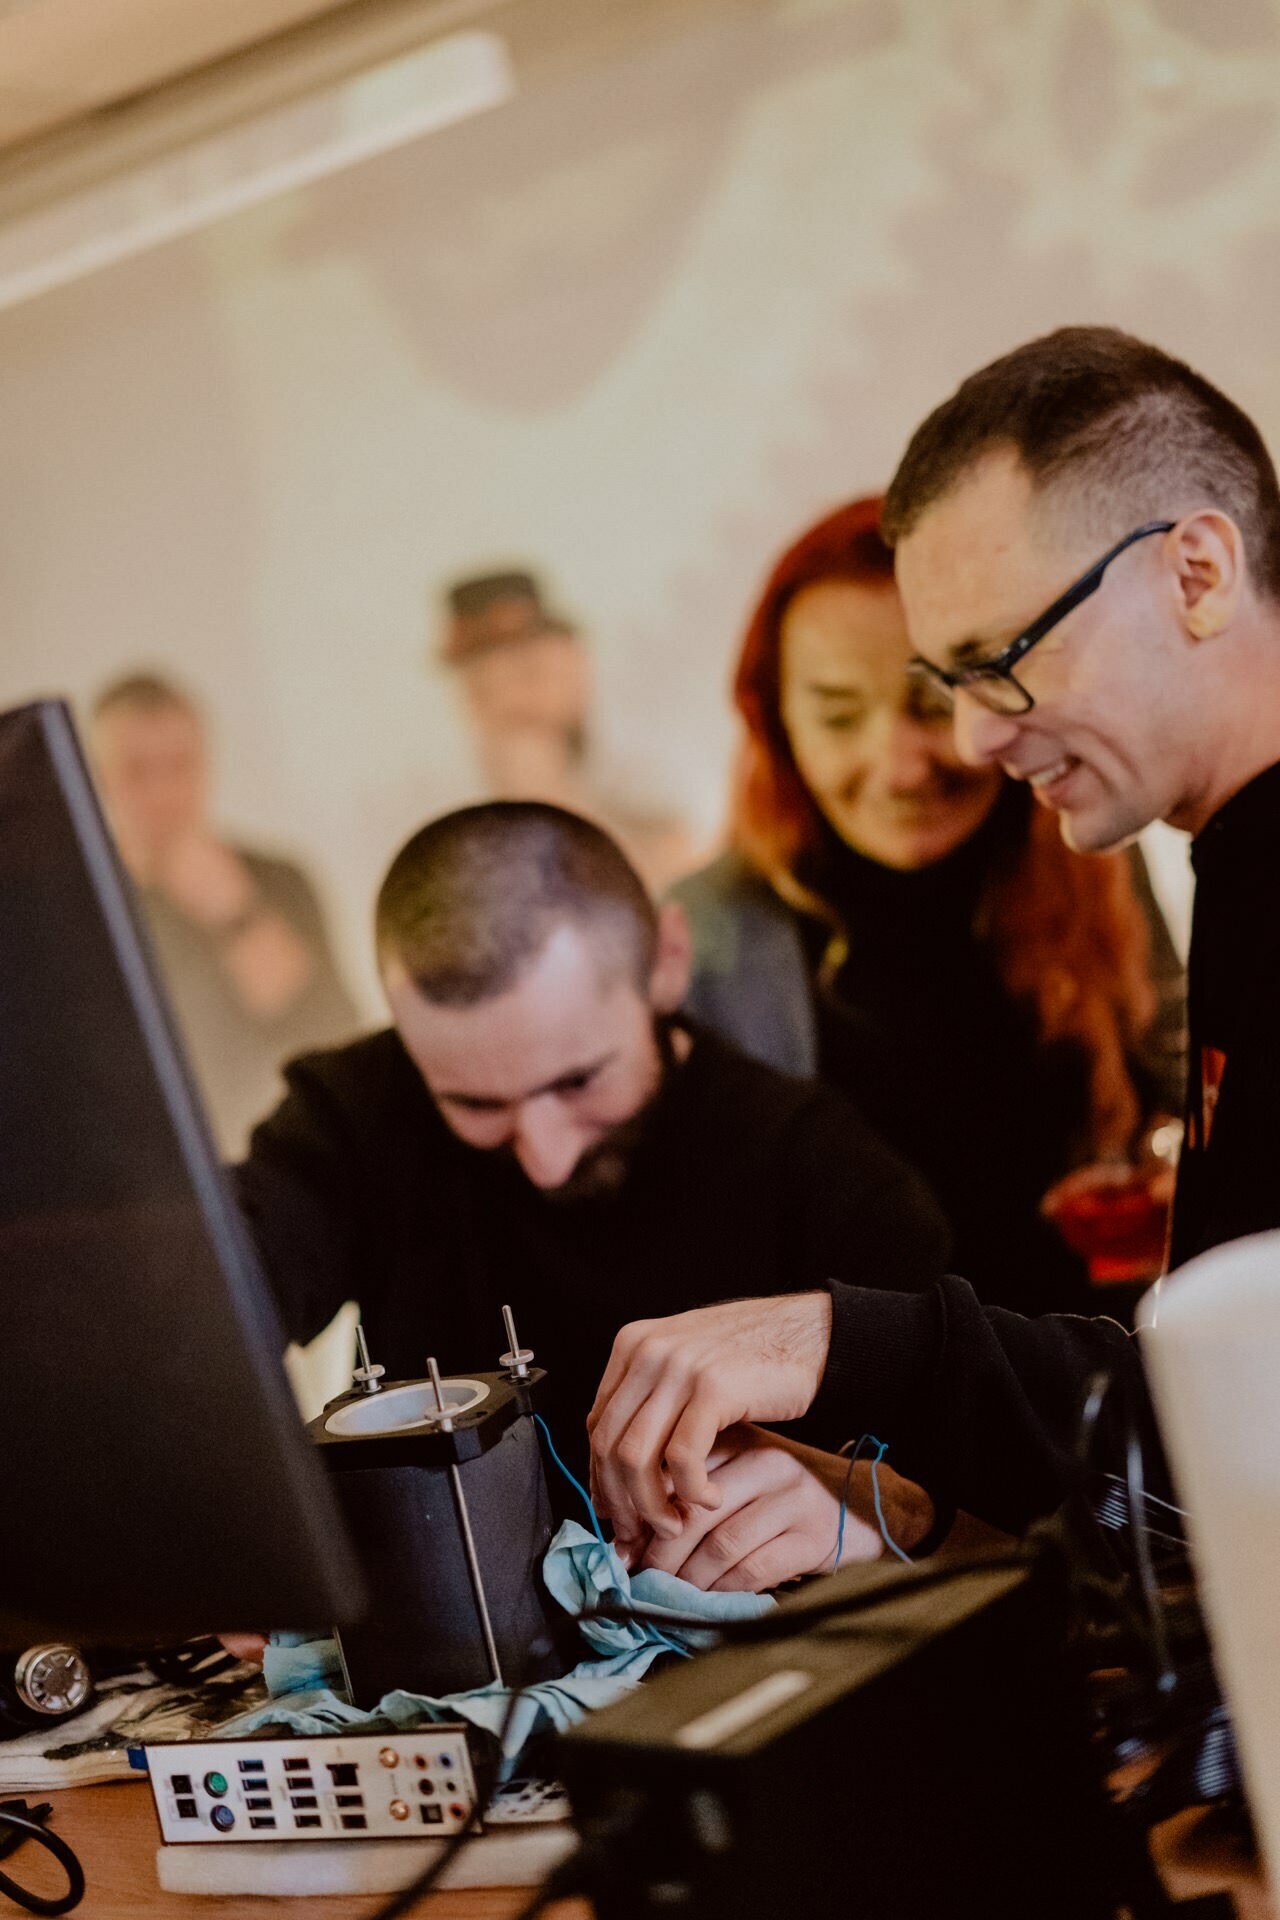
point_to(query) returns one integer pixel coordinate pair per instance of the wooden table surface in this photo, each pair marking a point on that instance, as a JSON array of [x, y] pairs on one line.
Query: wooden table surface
[[113, 1830]]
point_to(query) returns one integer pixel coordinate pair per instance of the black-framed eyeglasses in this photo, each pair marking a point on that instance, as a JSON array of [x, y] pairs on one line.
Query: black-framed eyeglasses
[[992, 682]]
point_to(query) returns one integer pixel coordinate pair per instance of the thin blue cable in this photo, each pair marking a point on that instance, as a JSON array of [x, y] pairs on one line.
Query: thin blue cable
[[867, 1439], [576, 1484], [672, 1646]]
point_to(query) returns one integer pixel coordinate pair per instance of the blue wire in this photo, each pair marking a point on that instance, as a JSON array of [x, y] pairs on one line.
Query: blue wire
[[577, 1485], [673, 1646], [844, 1511], [867, 1439]]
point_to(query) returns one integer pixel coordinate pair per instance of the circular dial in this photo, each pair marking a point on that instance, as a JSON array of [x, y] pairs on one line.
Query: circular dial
[[53, 1679]]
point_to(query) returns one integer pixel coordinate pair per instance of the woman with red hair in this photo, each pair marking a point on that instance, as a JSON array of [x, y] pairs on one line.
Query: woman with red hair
[[914, 929]]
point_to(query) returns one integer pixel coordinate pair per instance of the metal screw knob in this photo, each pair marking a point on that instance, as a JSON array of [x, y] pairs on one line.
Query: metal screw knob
[[442, 1412], [515, 1360], [364, 1376]]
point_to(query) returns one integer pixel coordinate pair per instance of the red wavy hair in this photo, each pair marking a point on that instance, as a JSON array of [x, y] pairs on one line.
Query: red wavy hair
[[1068, 932]]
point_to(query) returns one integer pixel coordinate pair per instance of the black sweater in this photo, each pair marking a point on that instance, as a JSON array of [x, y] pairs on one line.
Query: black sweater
[[948, 1066], [1229, 1172], [745, 1182], [983, 1406]]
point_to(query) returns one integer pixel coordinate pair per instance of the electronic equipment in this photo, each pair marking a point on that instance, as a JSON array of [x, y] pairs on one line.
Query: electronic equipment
[[920, 1753], [166, 1481], [442, 1486], [371, 1786], [42, 1684]]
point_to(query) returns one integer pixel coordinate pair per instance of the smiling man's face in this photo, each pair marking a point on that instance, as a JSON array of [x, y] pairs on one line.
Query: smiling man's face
[[1111, 743]]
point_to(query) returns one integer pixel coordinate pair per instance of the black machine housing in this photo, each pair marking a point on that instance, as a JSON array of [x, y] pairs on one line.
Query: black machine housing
[[921, 1756], [408, 1496]]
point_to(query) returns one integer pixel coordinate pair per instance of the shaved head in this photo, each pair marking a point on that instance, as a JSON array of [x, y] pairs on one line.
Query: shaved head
[[473, 899]]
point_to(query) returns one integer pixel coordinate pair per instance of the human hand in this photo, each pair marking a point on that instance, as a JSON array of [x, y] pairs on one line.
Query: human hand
[[205, 879], [244, 1646], [779, 1516], [672, 1387], [268, 965]]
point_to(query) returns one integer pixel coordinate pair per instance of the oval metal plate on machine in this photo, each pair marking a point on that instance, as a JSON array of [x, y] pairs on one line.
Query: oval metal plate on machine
[[399, 1409]]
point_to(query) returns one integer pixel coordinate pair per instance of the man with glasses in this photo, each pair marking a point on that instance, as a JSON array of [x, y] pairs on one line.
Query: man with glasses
[[1088, 545]]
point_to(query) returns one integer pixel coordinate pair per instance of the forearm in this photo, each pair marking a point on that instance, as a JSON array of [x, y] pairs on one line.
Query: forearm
[[979, 1405]]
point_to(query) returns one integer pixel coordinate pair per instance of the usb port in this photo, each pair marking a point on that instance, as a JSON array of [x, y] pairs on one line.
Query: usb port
[[297, 1766], [262, 1820], [308, 1820], [299, 1800], [251, 1766], [259, 1804], [354, 1820], [349, 1799]]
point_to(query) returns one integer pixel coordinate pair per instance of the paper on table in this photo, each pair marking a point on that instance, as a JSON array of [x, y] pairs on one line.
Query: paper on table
[[134, 1707]]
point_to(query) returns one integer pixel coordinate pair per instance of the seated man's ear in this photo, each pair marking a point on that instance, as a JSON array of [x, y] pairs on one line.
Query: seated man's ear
[[673, 959]]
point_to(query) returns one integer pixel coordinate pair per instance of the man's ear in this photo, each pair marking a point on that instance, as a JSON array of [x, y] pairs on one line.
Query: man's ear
[[1208, 555], [673, 959]]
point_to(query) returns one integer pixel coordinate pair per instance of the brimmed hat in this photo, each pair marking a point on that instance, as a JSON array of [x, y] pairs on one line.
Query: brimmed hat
[[492, 610]]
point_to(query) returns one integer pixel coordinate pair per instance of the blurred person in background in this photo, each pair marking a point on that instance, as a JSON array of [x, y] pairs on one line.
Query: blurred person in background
[[239, 934], [526, 683], [913, 930]]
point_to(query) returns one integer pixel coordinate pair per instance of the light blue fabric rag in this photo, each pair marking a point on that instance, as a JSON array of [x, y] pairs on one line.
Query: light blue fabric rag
[[580, 1571]]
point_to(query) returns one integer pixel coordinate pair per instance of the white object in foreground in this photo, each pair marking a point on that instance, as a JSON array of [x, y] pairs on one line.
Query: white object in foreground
[[1211, 1342], [520, 1857]]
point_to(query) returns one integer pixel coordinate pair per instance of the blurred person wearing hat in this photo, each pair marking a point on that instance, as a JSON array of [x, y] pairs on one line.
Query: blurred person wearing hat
[[526, 684]]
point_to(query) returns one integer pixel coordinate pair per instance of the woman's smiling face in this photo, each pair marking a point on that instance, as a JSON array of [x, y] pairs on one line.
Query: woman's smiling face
[[873, 745]]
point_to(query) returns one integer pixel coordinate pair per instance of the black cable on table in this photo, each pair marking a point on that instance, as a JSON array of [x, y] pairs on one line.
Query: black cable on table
[[27, 1829], [431, 1875]]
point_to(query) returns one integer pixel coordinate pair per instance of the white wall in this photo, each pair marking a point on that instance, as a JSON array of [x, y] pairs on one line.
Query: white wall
[[694, 285]]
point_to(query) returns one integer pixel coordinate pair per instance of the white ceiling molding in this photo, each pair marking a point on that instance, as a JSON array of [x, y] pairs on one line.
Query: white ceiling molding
[[261, 123]]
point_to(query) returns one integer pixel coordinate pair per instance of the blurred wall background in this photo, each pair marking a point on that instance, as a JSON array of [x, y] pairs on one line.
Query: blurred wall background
[[694, 284]]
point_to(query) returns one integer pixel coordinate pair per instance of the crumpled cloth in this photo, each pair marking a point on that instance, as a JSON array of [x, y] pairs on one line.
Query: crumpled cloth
[[579, 1571]]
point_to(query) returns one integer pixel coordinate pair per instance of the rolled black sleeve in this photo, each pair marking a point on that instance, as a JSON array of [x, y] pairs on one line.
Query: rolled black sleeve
[[978, 1404]]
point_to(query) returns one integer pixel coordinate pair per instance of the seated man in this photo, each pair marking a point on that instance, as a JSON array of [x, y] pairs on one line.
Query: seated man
[[539, 1128]]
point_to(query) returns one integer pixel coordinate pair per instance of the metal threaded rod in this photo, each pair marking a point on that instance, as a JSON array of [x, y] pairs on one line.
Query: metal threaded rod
[[468, 1537], [516, 1359]]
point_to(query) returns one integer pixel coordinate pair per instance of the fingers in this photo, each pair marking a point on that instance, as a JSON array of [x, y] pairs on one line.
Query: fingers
[[624, 1346], [245, 1646], [672, 1385], [661, 1460], [755, 1548], [631, 1423], [713, 1541], [689, 1448]]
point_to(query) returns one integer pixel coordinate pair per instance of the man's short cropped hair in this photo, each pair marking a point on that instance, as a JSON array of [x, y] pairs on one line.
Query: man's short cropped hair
[[144, 693], [1118, 430], [474, 897]]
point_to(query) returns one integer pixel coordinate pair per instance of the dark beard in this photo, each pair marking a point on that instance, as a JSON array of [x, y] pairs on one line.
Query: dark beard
[[604, 1168]]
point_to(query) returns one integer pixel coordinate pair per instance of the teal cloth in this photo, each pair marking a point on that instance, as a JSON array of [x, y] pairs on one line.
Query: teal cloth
[[304, 1675]]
